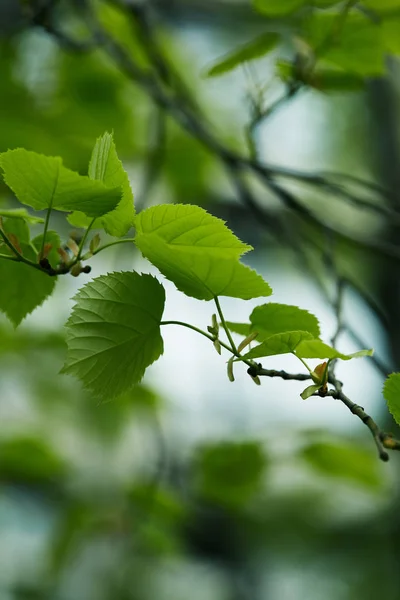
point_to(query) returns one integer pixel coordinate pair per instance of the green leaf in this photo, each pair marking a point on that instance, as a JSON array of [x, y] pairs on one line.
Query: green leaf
[[113, 333], [27, 288], [192, 228], [106, 167], [230, 473], [43, 182], [390, 33], [358, 47], [346, 461], [335, 80], [281, 343], [391, 393], [309, 391], [277, 8], [382, 5], [318, 349], [257, 48], [20, 213], [52, 238], [197, 252], [18, 228], [239, 328], [270, 319]]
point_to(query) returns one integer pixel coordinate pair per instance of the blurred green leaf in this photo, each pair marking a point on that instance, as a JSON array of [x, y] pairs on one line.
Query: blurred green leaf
[[277, 8], [20, 213], [230, 473], [257, 48], [345, 461], [357, 48], [30, 461], [390, 33]]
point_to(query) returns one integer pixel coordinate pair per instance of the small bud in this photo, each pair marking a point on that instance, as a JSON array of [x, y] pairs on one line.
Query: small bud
[[73, 246], [230, 370], [247, 340], [15, 242], [215, 324], [44, 263], [64, 255], [76, 269], [256, 380], [86, 269], [217, 346]]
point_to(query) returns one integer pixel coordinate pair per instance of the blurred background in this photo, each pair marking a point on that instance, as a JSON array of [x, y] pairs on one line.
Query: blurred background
[[190, 486]]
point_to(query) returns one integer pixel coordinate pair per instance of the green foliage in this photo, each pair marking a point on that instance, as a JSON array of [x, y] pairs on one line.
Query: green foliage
[[391, 393], [356, 47], [113, 333], [257, 48], [230, 473], [273, 318], [53, 243], [43, 182], [281, 343], [106, 167], [29, 461], [309, 348], [346, 461], [277, 8], [20, 213], [29, 287], [197, 252]]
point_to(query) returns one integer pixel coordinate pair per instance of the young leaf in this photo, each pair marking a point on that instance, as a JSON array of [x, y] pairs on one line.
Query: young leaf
[[106, 167], [113, 333], [20, 213], [309, 391], [281, 343], [257, 48], [317, 349], [190, 227], [43, 182], [197, 252], [391, 393], [272, 318], [23, 288]]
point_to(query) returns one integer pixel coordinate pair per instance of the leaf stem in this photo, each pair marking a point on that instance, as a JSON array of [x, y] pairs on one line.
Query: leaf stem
[[124, 241], [46, 225], [304, 363], [197, 330], [224, 325], [84, 238], [18, 256], [8, 257]]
